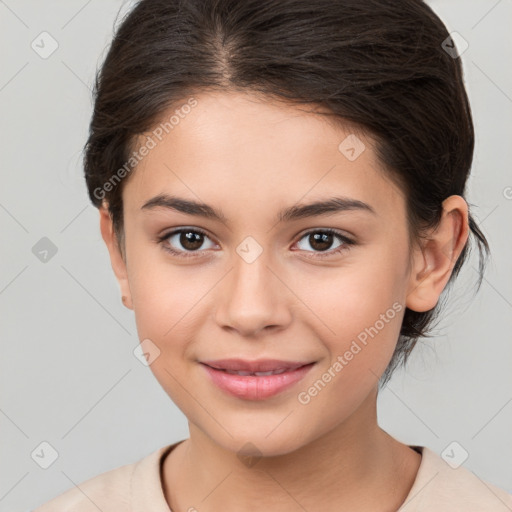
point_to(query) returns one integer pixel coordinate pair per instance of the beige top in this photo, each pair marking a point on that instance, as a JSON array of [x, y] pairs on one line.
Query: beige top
[[137, 487]]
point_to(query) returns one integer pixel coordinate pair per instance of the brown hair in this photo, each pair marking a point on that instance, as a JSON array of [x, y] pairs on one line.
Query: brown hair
[[377, 65]]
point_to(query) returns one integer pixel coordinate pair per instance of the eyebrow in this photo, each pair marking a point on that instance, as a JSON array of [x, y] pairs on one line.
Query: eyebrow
[[296, 212]]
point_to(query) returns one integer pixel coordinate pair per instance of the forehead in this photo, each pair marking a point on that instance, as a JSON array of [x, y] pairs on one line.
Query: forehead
[[236, 148]]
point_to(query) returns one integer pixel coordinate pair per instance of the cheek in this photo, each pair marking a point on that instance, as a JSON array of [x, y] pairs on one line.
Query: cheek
[[358, 311], [348, 300], [166, 303], [165, 295], [365, 327], [169, 318]]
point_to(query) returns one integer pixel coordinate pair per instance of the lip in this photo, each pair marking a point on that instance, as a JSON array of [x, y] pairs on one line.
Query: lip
[[261, 365], [255, 387]]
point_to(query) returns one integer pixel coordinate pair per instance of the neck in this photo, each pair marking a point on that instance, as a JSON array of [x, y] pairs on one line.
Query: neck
[[356, 466]]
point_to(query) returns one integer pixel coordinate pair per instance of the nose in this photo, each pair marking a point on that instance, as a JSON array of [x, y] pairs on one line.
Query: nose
[[253, 299]]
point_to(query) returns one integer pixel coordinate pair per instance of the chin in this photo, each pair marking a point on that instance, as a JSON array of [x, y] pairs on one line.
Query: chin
[[257, 442]]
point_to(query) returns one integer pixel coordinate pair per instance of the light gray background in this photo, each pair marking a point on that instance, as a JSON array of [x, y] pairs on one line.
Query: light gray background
[[68, 375]]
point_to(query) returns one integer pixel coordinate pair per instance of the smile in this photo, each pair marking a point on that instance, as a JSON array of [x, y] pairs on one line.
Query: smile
[[257, 380]]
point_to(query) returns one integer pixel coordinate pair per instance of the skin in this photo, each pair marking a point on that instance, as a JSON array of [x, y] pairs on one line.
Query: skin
[[250, 159]]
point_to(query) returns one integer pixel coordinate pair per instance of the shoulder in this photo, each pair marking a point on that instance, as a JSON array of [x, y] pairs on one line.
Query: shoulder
[[107, 491], [113, 490], [441, 487]]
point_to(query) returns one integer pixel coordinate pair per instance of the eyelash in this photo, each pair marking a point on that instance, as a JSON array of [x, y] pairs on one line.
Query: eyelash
[[347, 242]]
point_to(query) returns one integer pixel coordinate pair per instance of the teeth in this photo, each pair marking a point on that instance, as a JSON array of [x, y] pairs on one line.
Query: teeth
[[257, 374]]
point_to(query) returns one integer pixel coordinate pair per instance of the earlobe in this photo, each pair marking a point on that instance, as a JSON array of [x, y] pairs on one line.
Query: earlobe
[[116, 259], [433, 263]]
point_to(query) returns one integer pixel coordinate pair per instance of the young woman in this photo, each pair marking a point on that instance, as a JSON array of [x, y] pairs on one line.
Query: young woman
[[281, 190]]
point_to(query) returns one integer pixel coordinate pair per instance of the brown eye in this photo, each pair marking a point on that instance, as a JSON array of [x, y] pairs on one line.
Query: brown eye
[[185, 242], [322, 240], [191, 240]]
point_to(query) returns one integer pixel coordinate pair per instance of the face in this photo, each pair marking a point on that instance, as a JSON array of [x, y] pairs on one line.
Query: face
[[324, 288]]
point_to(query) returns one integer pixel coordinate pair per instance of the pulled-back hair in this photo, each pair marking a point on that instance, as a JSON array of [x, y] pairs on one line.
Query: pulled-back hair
[[377, 65]]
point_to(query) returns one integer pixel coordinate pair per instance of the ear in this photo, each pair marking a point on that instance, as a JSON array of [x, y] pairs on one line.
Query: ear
[[116, 258], [433, 262]]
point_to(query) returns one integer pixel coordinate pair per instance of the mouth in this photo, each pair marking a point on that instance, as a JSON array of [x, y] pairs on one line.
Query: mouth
[[255, 380], [264, 366], [257, 374]]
